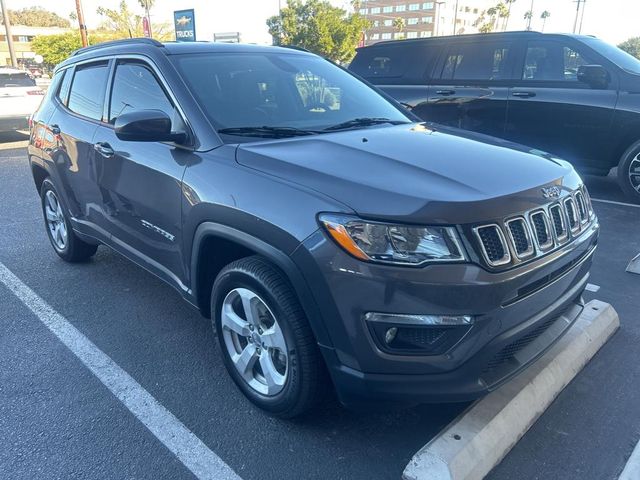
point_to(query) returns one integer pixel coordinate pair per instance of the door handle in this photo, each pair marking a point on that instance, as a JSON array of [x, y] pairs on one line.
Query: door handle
[[54, 129], [524, 94], [445, 93], [104, 149]]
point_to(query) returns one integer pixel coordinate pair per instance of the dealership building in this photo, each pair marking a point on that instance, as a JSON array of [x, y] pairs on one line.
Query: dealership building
[[420, 19], [22, 38]]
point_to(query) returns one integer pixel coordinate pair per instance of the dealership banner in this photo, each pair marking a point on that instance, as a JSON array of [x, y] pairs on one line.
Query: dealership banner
[[185, 22]]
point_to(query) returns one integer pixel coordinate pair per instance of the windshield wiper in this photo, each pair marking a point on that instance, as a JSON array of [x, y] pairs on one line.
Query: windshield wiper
[[267, 132], [364, 122]]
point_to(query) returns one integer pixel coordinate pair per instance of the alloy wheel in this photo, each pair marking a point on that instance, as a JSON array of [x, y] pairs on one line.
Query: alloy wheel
[[55, 220], [634, 173], [254, 341]]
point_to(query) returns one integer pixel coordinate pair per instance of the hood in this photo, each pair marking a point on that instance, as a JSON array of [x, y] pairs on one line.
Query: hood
[[413, 173]]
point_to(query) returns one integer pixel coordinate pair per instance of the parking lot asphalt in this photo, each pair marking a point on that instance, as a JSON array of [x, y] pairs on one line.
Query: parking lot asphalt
[[58, 421]]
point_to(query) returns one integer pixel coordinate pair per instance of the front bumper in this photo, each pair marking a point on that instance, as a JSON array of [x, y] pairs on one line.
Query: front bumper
[[519, 314], [14, 122]]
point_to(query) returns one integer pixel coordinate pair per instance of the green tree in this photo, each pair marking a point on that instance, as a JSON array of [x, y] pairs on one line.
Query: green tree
[[36, 17], [398, 24], [123, 23], [546, 14], [319, 27], [631, 46], [56, 48]]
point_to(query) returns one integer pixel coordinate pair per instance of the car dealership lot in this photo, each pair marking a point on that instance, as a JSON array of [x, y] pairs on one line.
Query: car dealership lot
[[57, 420]]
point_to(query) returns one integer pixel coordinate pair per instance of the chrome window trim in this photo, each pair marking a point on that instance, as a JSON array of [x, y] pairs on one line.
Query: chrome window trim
[[530, 249], [507, 253]]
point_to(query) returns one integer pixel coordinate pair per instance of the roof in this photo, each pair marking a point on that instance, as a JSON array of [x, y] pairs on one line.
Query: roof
[[148, 45], [11, 70], [472, 36]]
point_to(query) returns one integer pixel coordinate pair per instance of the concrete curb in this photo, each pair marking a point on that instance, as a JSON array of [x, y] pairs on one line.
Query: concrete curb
[[481, 437]]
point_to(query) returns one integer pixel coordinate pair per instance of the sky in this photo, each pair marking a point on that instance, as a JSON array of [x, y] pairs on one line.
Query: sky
[[612, 20]]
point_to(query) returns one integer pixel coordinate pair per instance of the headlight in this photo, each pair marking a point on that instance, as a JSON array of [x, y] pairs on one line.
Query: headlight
[[400, 244]]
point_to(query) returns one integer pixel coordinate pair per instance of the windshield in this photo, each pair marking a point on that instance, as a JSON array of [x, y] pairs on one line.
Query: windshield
[[621, 58], [280, 90]]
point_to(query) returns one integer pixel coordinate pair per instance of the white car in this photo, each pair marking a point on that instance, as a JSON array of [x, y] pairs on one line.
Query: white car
[[19, 98]]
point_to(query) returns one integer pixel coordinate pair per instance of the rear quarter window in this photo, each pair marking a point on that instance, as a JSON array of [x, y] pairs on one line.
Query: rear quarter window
[[409, 64], [16, 80]]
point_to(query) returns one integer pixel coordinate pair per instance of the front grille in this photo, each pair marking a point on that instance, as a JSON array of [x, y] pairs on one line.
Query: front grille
[[536, 232], [510, 351], [494, 245]]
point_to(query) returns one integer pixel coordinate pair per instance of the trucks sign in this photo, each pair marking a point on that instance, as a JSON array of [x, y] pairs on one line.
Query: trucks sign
[[185, 23]]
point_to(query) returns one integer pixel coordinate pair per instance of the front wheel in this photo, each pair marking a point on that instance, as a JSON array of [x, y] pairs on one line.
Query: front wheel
[[267, 345], [62, 237], [629, 173]]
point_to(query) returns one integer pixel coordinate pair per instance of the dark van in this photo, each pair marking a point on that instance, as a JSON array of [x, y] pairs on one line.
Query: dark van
[[574, 96]]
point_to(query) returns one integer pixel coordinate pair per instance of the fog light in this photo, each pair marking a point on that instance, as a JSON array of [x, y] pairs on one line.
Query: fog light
[[438, 320], [390, 335]]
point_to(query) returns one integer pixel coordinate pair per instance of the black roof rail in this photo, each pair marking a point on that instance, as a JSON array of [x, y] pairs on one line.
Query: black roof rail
[[124, 41], [295, 47]]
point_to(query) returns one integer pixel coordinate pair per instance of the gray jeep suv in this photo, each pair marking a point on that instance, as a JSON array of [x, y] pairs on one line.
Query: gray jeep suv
[[331, 237]]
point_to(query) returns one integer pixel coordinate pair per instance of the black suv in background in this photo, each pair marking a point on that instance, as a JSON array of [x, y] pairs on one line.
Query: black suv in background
[[575, 96], [322, 227]]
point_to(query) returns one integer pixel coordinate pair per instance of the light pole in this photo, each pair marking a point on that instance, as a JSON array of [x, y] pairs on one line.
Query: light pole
[[584, 6], [455, 20], [7, 29], [81, 24], [575, 22], [438, 18]]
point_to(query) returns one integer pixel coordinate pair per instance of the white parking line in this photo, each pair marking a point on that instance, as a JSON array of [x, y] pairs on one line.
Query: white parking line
[[183, 443], [615, 203], [632, 469]]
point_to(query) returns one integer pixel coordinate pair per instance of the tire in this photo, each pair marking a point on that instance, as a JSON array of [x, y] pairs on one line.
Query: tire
[[58, 227], [629, 173], [298, 379]]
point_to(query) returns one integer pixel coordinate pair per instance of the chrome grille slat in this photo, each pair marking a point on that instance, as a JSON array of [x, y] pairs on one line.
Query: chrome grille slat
[[541, 226], [536, 232], [520, 237], [560, 229], [493, 244]]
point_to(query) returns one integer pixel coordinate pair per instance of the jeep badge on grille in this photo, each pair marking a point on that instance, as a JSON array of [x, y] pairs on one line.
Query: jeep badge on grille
[[551, 192]]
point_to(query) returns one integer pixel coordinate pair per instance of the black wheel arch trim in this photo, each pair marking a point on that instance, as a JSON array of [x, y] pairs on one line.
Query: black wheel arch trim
[[272, 254]]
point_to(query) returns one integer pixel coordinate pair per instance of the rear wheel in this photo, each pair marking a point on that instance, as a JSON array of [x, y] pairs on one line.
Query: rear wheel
[[629, 172], [62, 237], [267, 345]]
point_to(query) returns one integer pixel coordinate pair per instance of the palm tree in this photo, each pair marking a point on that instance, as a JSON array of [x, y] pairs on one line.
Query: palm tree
[[546, 14], [398, 24], [528, 16], [503, 13], [506, 21]]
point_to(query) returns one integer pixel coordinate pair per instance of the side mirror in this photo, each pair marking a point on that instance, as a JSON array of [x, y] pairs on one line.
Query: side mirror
[[146, 126], [595, 76]]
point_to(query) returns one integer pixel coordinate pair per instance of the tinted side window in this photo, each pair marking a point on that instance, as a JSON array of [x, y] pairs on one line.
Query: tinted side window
[[135, 87], [409, 62], [552, 61], [65, 84], [483, 61], [87, 90]]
